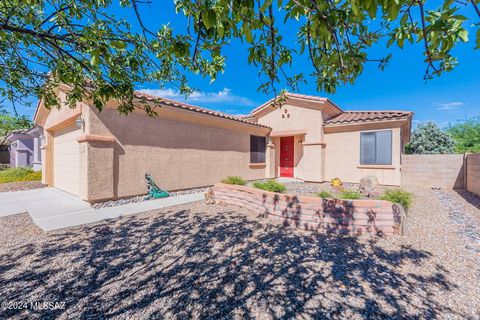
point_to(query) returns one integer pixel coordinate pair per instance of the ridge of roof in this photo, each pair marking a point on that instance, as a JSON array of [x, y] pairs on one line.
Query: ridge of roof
[[190, 107], [297, 95]]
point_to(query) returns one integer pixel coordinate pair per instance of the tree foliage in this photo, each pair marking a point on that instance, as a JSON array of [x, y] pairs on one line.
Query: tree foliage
[[466, 135], [428, 138], [101, 56]]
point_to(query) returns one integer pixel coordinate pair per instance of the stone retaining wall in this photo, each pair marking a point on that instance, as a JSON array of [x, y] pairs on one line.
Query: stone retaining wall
[[349, 217]]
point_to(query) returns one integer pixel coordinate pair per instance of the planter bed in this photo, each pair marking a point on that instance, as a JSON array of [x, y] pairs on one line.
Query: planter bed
[[348, 217]]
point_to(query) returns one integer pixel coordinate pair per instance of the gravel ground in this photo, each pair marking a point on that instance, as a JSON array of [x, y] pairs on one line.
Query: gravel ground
[[119, 202], [198, 261], [23, 185]]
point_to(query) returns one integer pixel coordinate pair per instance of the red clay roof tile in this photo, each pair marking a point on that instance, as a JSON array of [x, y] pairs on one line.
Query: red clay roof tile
[[189, 107], [365, 116]]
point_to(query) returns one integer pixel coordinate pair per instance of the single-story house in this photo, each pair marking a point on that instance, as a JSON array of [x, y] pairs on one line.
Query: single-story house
[[25, 148], [105, 155]]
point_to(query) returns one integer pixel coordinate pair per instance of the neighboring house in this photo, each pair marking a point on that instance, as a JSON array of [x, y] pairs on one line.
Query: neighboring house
[[25, 148], [105, 155]]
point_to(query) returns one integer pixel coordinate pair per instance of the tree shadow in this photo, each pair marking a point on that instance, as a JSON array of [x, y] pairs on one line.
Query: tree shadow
[[192, 264]]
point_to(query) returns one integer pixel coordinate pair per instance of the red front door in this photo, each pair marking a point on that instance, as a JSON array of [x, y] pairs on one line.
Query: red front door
[[286, 157]]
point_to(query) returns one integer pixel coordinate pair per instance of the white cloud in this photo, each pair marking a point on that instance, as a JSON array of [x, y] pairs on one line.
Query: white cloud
[[225, 97], [450, 105]]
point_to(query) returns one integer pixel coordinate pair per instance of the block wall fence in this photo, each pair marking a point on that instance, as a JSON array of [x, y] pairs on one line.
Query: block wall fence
[[346, 217], [433, 170], [450, 171], [472, 176]]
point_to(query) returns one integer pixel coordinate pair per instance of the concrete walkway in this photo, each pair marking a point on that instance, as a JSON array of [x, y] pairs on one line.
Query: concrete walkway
[[52, 209]]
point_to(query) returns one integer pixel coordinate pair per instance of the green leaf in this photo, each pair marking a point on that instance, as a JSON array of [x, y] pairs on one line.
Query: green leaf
[[209, 18], [248, 34], [463, 34]]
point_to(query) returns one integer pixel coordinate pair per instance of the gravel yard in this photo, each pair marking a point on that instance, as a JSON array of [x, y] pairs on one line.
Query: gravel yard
[[198, 261], [23, 185]]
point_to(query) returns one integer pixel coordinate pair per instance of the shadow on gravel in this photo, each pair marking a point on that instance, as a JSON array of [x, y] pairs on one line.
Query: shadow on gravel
[[470, 197], [189, 264]]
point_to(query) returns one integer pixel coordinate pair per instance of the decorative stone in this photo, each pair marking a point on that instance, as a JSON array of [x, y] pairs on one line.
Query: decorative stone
[[369, 186]]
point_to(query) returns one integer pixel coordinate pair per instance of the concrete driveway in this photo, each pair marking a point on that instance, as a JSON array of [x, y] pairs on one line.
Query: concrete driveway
[[53, 209]]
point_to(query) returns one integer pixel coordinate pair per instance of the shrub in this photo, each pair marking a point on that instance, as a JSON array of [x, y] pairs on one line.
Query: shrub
[[325, 194], [234, 180], [270, 185], [4, 166], [19, 174], [399, 196], [350, 194]]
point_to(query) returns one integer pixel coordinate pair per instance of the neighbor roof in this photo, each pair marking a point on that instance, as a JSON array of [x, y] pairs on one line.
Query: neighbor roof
[[349, 117], [298, 96], [189, 107]]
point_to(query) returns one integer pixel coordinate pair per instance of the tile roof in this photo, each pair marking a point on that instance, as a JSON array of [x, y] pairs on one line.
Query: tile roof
[[189, 107], [365, 116], [299, 96]]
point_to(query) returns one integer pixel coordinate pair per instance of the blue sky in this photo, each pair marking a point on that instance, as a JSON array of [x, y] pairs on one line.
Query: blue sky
[[453, 96]]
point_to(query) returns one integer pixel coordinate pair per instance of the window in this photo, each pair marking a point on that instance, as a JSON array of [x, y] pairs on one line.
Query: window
[[376, 147], [257, 149]]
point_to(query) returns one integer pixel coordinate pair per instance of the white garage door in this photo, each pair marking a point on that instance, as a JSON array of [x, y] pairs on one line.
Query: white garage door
[[66, 159]]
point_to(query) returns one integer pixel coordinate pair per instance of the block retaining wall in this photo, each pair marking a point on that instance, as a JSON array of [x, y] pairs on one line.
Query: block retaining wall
[[348, 217]]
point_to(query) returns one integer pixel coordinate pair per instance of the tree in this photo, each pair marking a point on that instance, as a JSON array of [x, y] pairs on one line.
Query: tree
[[101, 56], [466, 135], [428, 138], [9, 122]]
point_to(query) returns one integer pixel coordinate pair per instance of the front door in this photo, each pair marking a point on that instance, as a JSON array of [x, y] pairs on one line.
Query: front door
[[286, 157]]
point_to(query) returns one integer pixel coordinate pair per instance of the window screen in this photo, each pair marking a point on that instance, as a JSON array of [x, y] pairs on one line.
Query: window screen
[[257, 149], [376, 147]]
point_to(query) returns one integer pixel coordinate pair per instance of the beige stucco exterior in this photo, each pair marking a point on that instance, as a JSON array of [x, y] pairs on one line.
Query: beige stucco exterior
[[342, 157], [179, 148], [184, 149]]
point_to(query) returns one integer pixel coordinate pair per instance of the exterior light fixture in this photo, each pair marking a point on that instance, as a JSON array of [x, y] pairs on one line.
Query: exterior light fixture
[[80, 123]]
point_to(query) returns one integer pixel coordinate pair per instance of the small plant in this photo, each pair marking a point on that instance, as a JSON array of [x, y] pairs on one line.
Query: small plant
[[19, 174], [399, 196], [234, 180], [350, 194], [325, 194], [270, 185]]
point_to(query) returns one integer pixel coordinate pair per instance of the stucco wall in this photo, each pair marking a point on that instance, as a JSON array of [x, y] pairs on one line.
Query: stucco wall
[[433, 170], [178, 154], [473, 173], [308, 154], [342, 157]]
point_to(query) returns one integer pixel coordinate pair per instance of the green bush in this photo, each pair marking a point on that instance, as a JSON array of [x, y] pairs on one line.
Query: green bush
[[350, 194], [325, 194], [19, 174], [270, 185], [234, 180], [4, 166], [399, 196]]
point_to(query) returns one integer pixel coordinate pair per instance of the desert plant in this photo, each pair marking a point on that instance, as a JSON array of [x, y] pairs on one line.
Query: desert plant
[[325, 194], [19, 174], [234, 180], [428, 138], [270, 185], [350, 194], [399, 196]]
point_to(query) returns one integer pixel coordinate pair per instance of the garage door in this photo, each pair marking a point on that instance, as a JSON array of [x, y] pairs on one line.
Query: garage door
[[66, 159]]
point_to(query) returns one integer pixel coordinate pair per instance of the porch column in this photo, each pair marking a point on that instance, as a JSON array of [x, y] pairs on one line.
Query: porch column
[[36, 154], [270, 159]]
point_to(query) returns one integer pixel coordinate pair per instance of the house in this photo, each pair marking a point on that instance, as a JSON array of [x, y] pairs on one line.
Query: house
[[105, 155], [25, 148]]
